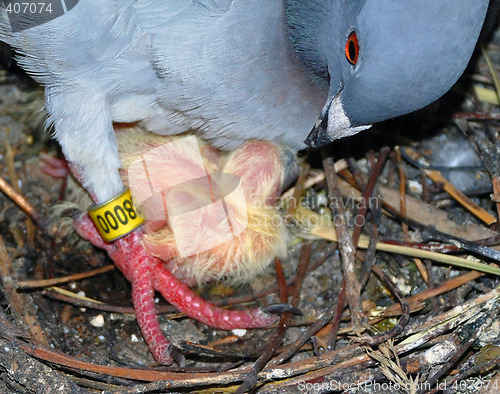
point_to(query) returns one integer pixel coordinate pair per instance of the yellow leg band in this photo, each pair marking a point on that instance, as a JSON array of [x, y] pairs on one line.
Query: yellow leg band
[[115, 218]]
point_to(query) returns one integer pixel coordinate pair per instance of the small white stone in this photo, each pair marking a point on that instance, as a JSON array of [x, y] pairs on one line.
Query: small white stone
[[239, 332], [134, 338], [402, 285], [72, 286], [415, 187], [97, 321], [101, 338], [81, 293], [440, 352], [491, 334]]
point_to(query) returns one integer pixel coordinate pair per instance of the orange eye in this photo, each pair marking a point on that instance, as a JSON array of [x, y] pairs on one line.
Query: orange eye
[[352, 49]]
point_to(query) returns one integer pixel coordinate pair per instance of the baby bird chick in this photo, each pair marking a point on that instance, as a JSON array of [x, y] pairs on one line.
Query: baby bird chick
[[188, 242]]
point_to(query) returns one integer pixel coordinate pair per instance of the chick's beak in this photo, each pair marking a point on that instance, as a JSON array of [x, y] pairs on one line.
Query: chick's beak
[[332, 124]]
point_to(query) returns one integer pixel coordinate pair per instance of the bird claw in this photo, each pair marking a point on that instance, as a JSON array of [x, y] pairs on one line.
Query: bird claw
[[177, 355], [282, 308]]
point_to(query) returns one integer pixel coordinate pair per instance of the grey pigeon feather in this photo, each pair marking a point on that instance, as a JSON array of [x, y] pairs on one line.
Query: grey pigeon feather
[[238, 70]]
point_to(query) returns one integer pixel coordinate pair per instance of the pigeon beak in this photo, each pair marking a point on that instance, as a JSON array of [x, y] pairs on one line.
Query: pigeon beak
[[319, 135], [332, 124]]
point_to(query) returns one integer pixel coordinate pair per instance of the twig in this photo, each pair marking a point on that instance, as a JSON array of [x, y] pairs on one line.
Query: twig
[[198, 349], [20, 303], [402, 189], [402, 207], [369, 258], [444, 287], [334, 311], [70, 298], [471, 331], [482, 368], [32, 284], [432, 234], [460, 197], [346, 246], [251, 379], [339, 166], [331, 341], [495, 180], [328, 233], [298, 190], [477, 115], [31, 374], [11, 170], [368, 192], [420, 335], [21, 202], [405, 312]]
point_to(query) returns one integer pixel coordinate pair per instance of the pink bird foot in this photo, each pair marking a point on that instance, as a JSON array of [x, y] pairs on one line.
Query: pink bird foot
[[148, 255], [147, 274], [56, 168]]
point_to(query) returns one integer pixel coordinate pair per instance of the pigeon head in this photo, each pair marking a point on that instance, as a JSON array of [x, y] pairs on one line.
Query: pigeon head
[[382, 58]]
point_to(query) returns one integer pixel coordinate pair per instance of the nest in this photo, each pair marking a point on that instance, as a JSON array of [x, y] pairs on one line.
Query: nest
[[394, 266]]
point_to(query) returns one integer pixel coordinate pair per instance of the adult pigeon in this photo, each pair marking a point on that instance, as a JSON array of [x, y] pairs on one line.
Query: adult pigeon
[[232, 71]]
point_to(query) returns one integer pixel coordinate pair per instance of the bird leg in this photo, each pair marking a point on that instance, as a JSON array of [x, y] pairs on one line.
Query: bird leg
[[252, 162], [147, 274]]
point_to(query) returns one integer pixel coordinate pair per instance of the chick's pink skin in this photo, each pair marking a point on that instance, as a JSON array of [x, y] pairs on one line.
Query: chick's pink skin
[[259, 167], [148, 274]]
